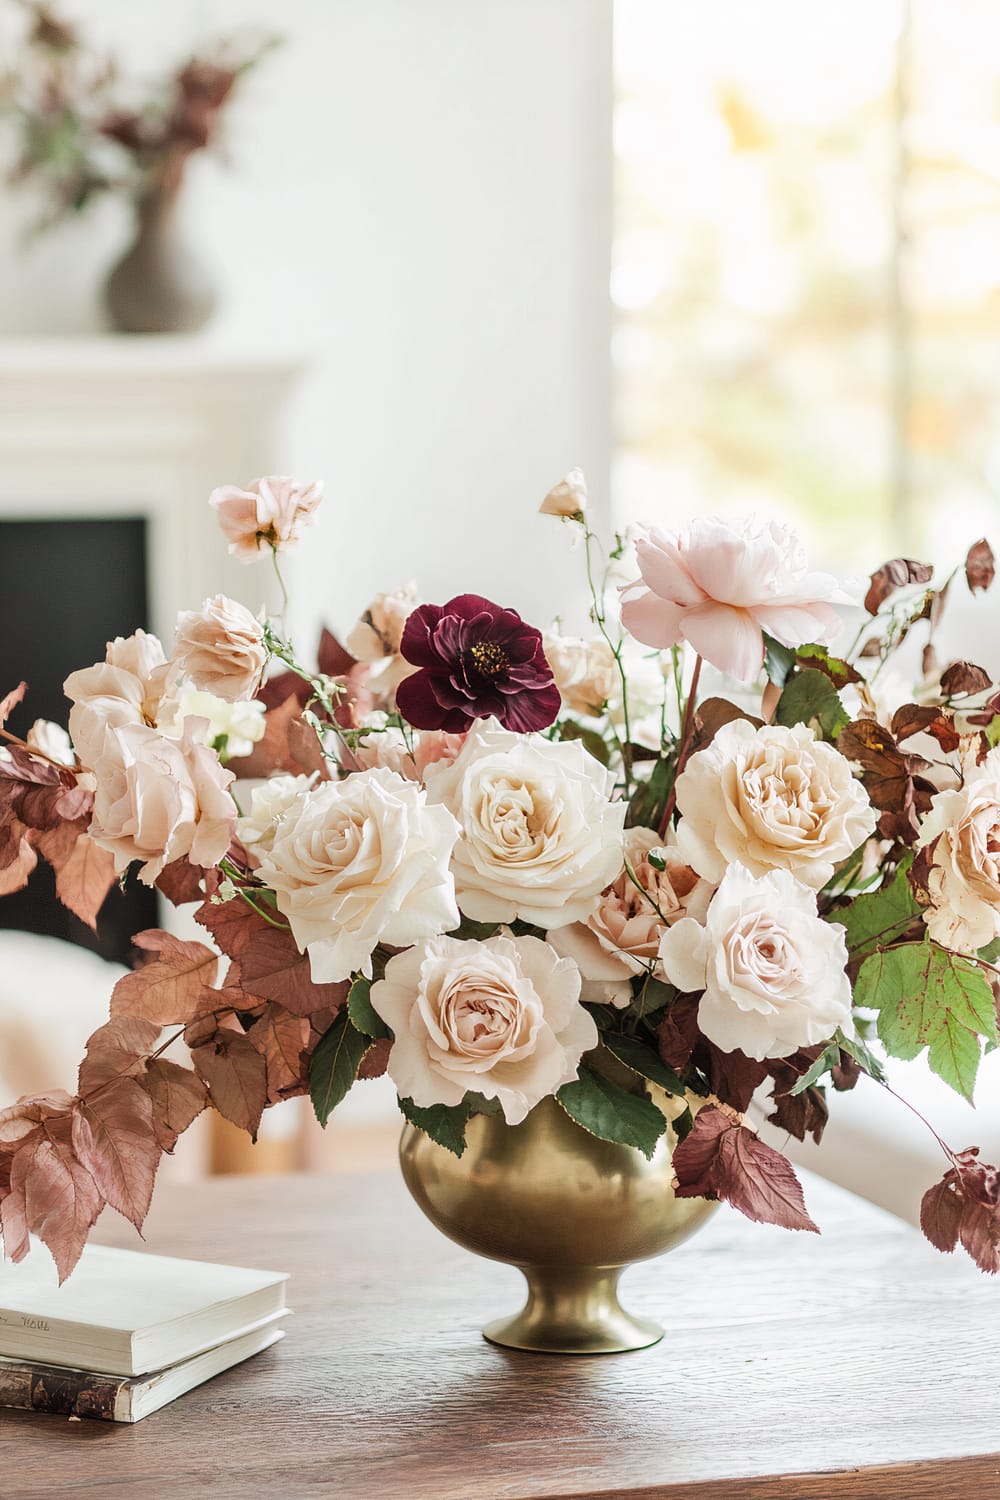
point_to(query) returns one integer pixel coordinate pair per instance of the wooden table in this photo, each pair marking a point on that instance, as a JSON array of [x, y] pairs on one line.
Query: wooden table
[[794, 1368]]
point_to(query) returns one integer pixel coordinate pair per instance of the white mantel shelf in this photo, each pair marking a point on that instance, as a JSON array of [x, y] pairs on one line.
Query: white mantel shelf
[[144, 426]]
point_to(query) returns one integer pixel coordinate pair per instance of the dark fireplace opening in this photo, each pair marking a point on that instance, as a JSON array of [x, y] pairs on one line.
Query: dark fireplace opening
[[68, 588]]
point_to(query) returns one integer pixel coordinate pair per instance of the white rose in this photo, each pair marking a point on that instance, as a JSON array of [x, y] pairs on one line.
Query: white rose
[[502, 1018], [584, 671], [772, 971], [540, 837], [379, 631], [621, 937], [159, 799], [962, 835], [220, 648], [268, 804], [358, 862], [52, 740], [241, 725], [770, 798]]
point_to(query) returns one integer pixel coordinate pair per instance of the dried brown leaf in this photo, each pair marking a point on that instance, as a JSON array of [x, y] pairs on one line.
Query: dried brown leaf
[[118, 1049], [52, 1194], [178, 1097], [114, 1138], [282, 1039], [236, 1075], [166, 990], [720, 1159], [964, 677], [892, 576], [272, 967], [980, 566]]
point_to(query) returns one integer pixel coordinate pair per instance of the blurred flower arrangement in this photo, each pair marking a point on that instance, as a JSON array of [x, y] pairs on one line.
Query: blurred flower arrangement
[[456, 852], [81, 135]]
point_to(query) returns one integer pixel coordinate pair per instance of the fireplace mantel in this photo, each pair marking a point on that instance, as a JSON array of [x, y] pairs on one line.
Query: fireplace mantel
[[143, 426]]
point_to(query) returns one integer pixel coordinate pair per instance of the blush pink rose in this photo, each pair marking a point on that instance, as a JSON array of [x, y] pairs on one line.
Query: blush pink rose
[[158, 799], [220, 649], [719, 586], [126, 688], [270, 515]]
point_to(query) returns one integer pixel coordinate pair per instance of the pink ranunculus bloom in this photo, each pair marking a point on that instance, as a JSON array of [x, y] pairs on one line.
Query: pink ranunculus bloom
[[270, 515], [720, 586]]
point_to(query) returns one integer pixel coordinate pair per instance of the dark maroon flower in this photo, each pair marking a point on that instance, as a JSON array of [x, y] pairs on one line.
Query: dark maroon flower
[[475, 660]]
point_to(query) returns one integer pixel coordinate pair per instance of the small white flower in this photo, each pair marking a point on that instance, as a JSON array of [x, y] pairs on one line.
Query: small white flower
[[240, 724], [269, 802]]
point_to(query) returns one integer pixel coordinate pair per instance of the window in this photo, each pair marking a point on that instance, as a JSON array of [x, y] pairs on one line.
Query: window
[[807, 268]]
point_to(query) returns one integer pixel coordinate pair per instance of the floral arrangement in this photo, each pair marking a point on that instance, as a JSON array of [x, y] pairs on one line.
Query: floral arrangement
[[82, 134], [505, 866]]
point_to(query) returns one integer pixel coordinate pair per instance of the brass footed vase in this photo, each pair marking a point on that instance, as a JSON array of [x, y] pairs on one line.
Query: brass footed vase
[[569, 1210]]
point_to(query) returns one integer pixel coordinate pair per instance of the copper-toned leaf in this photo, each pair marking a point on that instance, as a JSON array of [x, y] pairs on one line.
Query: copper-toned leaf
[[733, 1076], [167, 990], [921, 718], [272, 754], [84, 879], [964, 1208], [53, 1194], [722, 1159], [892, 576], [118, 1049], [113, 1137], [178, 1097], [272, 967], [712, 714], [10, 700], [800, 1114], [236, 1074], [282, 1038], [964, 677], [232, 924], [980, 566], [16, 869], [890, 778], [24, 1119], [941, 1214], [677, 1034], [182, 882], [376, 1059]]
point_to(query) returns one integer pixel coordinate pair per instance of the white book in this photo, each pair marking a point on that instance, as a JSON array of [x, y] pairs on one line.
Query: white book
[[122, 1312], [112, 1398]]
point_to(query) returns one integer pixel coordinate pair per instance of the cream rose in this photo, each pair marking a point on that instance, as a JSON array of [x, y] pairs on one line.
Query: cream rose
[[269, 802], [770, 798], [358, 862], [540, 837], [220, 649], [502, 1018], [126, 688], [962, 836], [621, 937], [584, 671], [379, 631], [568, 498], [772, 971], [158, 799]]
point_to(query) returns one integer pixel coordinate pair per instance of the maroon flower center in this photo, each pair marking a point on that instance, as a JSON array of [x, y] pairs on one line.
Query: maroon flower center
[[488, 659]]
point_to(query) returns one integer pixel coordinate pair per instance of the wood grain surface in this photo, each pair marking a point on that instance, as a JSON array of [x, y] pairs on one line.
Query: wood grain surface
[[794, 1368]]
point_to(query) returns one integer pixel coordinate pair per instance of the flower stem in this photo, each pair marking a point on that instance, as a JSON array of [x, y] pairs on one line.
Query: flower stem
[[685, 745]]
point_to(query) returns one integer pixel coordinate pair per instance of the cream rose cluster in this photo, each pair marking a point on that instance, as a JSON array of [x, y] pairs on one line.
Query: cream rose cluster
[[540, 838], [770, 798], [621, 937], [502, 1018], [772, 971], [961, 834], [357, 862]]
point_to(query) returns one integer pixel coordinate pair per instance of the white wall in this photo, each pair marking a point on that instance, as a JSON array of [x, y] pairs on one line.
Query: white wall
[[419, 201]]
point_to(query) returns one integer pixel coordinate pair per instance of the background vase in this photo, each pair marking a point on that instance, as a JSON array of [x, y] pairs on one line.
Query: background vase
[[569, 1210], [160, 285]]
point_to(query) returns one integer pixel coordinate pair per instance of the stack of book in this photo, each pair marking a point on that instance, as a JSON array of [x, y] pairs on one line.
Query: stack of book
[[127, 1332]]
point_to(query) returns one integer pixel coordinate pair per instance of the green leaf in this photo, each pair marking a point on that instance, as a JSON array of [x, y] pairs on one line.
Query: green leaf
[[879, 916], [779, 661], [612, 1113], [682, 1124], [828, 1058], [925, 996], [591, 741], [644, 1061], [478, 1104], [470, 931], [334, 1065], [810, 697], [363, 1015], [649, 800], [839, 672], [444, 1123], [862, 1054]]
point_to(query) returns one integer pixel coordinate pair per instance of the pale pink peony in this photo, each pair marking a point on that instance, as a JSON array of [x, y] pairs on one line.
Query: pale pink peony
[[220, 649], [270, 515], [719, 587], [158, 799], [501, 1017]]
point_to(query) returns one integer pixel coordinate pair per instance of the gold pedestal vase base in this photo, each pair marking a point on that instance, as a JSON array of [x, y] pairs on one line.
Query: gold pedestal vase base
[[567, 1209], [573, 1312]]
